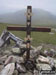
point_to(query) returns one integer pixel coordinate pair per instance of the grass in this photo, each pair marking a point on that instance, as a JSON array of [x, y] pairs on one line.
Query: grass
[[38, 37]]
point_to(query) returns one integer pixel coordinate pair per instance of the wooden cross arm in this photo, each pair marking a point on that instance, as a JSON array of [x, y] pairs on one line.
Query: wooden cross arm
[[41, 29], [14, 28], [32, 29]]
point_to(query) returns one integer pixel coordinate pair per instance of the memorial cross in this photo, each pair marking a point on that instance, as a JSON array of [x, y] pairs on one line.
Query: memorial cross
[[28, 30]]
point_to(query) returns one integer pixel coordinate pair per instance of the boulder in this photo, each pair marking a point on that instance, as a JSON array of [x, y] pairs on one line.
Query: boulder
[[7, 52], [34, 53], [51, 61], [8, 60], [36, 72], [18, 59], [42, 59], [16, 50], [50, 52], [15, 72], [23, 46], [28, 73], [39, 47], [1, 67], [14, 59], [8, 69], [55, 62], [21, 69], [43, 66], [2, 59]]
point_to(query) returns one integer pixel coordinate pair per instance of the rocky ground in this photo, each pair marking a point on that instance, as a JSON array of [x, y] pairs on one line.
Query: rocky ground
[[40, 52]]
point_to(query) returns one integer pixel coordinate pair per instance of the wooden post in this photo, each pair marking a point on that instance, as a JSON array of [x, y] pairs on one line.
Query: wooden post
[[28, 33]]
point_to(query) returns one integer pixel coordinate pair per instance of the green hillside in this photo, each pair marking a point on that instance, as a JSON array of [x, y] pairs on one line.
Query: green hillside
[[38, 37], [39, 17]]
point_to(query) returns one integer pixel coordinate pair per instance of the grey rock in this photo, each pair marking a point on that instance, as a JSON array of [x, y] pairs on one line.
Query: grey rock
[[21, 68], [44, 66], [2, 59], [55, 62], [51, 62], [15, 72], [7, 52], [53, 51], [36, 72], [23, 46], [8, 69], [8, 60], [28, 73], [39, 47], [16, 50], [15, 59], [1, 67], [34, 53], [42, 59], [18, 59], [50, 52]]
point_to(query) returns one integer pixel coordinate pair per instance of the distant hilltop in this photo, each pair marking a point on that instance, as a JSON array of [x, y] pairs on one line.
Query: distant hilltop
[[39, 17]]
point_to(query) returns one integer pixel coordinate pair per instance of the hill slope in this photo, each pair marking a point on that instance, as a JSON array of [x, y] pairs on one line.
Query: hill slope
[[39, 17]]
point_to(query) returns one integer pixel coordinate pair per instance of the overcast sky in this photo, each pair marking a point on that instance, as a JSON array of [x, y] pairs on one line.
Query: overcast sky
[[15, 5]]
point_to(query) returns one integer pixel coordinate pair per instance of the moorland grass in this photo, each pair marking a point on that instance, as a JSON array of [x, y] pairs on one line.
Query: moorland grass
[[38, 37]]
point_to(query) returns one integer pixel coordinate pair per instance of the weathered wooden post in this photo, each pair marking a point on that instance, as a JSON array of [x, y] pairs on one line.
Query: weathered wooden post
[[28, 33]]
